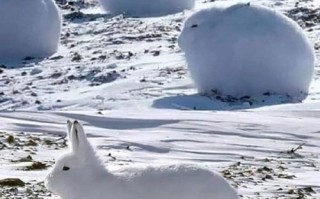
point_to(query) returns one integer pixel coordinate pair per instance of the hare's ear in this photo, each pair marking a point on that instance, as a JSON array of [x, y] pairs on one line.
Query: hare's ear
[[78, 138], [69, 125]]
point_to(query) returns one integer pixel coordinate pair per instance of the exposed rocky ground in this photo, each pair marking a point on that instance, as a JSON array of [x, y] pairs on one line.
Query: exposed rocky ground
[[20, 151]]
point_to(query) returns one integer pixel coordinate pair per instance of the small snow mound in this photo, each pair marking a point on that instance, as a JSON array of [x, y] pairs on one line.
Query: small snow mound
[[146, 8], [29, 28], [247, 50]]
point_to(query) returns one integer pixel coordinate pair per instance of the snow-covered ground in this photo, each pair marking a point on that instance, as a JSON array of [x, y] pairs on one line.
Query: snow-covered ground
[[251, 148], [127, 81]]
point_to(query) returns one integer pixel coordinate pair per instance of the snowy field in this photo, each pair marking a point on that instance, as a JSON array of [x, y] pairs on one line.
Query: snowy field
[[126, 79]]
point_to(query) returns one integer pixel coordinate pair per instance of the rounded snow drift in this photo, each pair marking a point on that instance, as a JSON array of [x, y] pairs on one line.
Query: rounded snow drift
[[29, 28], [146, 8], [247, 50]]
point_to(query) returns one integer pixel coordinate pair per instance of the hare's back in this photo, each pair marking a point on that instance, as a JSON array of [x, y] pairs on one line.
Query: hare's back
[[186, 182]]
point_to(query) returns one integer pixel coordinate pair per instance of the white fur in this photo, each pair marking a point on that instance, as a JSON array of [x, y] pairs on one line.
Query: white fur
[[89, 179], [28, 28], [146, 8], [247, 50]]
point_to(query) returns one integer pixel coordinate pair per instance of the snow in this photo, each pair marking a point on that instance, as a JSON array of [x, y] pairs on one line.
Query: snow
[[18, 38], [146, 8], [247, 50], [152, 115], [215, 140]]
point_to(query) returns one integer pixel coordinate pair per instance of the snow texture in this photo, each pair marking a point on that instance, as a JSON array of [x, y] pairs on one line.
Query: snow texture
[[146, 8], [80, 175], [247, 50], [29, 28]]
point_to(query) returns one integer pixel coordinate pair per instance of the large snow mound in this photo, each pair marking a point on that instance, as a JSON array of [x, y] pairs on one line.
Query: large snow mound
[[247, 50], [146, 8], [28, 28]]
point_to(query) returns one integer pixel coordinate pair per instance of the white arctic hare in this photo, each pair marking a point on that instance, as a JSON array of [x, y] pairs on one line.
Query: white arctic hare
[[146, 8], [79, 174]]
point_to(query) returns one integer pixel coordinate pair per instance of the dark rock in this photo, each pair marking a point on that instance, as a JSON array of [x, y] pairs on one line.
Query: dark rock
[[12, 182]]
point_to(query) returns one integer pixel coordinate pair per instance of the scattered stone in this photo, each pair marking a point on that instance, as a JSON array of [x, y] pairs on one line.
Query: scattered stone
[[36, 166], [56, 57], [76, 57], [74, 15], [15, 92], [33, 94], [31, 143], [56, 75], [24, 159], [10, 139], [156, 53], [102, 79], [12, 182]]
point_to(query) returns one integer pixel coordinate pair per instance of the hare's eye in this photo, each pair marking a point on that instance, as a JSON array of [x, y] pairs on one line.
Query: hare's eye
[[194, 26], [66, 168]]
